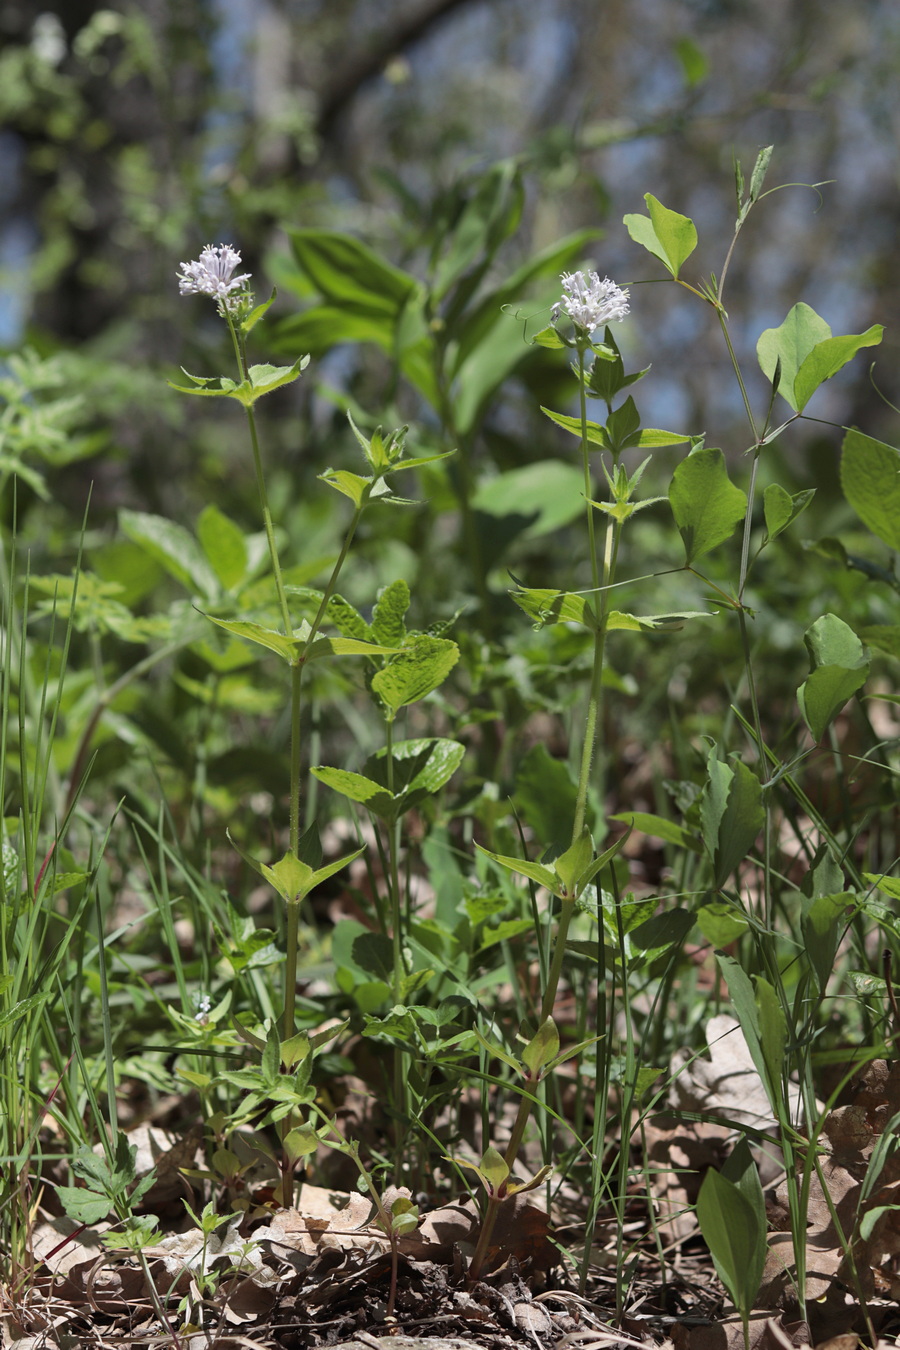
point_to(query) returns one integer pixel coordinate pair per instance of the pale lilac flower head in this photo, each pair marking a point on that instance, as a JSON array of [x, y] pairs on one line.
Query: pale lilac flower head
[[590, 302], [213, 274]]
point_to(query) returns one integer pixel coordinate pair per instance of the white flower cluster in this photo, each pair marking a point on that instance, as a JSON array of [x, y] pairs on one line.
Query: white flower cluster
[[213, 274], [590, 302]]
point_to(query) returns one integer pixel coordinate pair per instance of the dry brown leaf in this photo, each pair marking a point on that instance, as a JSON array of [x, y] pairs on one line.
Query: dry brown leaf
[[727, 1084]]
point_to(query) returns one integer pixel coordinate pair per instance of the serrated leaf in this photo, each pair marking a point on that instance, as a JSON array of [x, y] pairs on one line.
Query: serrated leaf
[[414, 672], [388, 616]]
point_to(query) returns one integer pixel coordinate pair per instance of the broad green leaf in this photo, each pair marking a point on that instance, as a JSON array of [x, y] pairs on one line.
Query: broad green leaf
[[596, 434], [870, 480], [322, 327], [571, 864], [550, 491], [731, 1229], [786, 348], [348, 621], [490, 215], [542, 1048], [544, 876], [341, 646], [547, 606], [886, 637], [650, 623], [660, 828], [172, 546], [887, 885], [827, 358], [545, 796], [352, 485], [720, 923], [421, 765], [705, 503], [82, 1205], [349, 274], [781, 508], [224, 545], [388, 626], [667, 235], [824, 919], [731, 814], [840, 667], [288, 649], [548, 337], [654, 438], [661, 933], [357, 788], [414, 671], [493, 1168]]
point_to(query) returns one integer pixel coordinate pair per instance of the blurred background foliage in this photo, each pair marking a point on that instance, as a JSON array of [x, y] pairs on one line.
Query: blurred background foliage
[[132, 134]]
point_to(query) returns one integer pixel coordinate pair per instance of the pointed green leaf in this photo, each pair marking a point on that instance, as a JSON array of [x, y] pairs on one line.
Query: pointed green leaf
[[731, 813], [824, 919], [542, 1048], [705, 503], [786, 348], [547, 606], [667, 235], [224, 544], [781, 509], [544, 876], [596, 434], [172, 546], [341, 646], [659, 827], [352, 485], [288, 649], [493, 1167], [388, 616], [570, 865], [650, 623], [720, 923], [870, 480], [827, 358], [351, 275], [415, 671], [840, 666], [548, 337], [357, 788], [289, 876], [653, 438], [731, 1229]]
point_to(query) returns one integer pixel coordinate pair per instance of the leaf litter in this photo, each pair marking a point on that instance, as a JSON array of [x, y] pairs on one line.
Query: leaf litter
[[319, 1274]]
